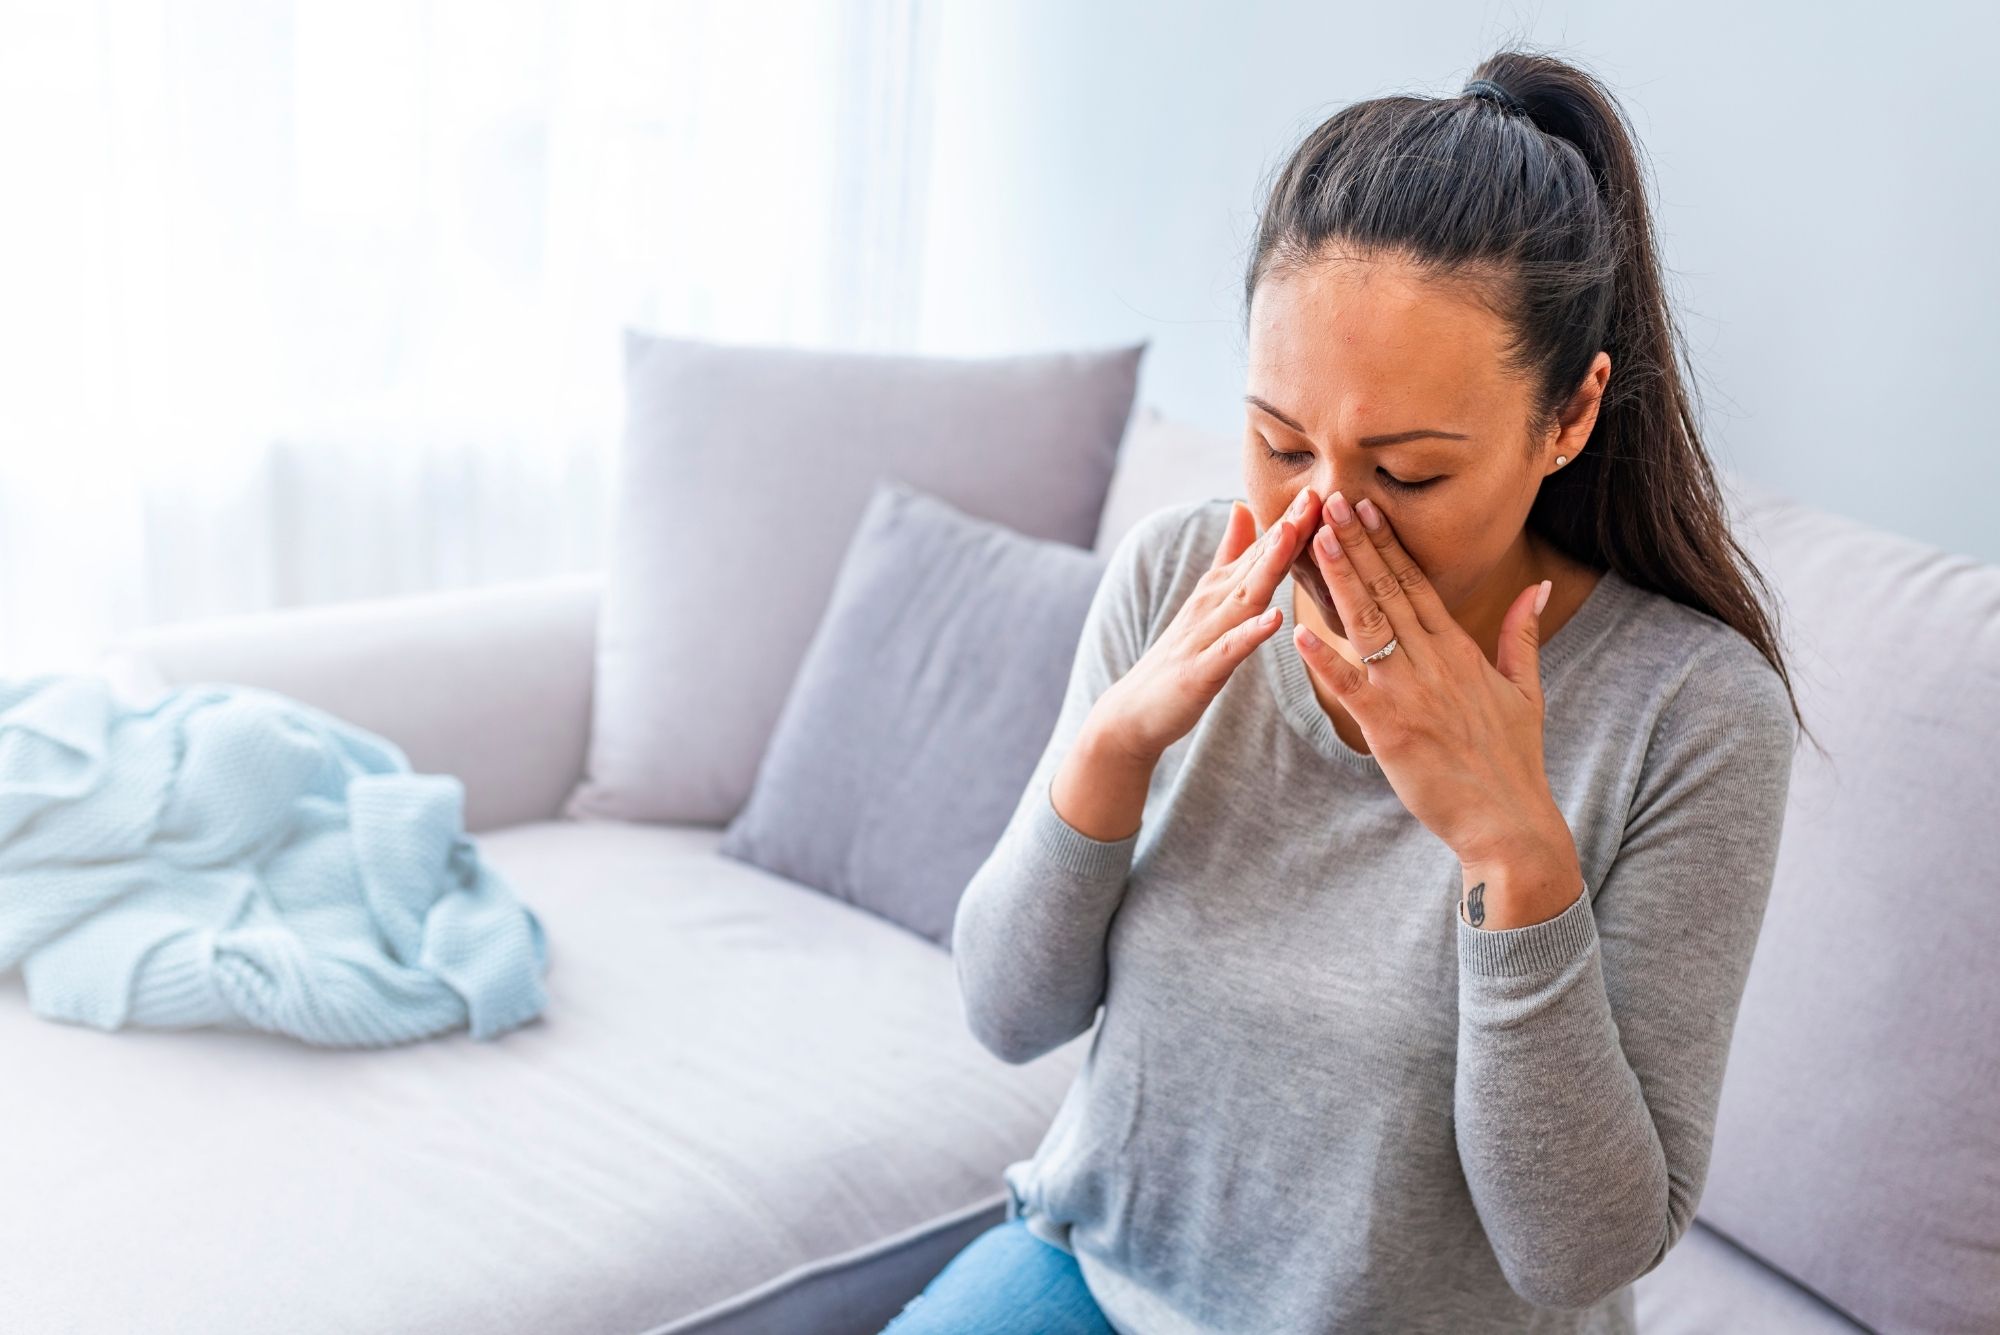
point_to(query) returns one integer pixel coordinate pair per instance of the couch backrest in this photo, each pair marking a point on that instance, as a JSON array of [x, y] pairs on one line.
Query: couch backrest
[[490, 683], [1857, 1148]]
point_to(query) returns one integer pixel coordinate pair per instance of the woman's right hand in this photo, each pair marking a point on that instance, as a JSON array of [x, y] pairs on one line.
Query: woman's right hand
[[1227, 615]]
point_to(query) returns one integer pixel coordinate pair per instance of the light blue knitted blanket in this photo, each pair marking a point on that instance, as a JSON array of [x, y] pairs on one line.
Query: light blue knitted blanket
[[224, 855]]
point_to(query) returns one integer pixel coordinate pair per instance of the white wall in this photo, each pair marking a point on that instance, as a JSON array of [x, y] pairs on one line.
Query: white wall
[[1826, 195]]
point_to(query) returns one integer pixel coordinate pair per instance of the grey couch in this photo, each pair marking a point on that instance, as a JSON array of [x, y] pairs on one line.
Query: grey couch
[[752, 1108]]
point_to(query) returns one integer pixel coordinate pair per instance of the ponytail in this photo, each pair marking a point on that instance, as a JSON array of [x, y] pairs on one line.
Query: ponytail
[[1529, 190]]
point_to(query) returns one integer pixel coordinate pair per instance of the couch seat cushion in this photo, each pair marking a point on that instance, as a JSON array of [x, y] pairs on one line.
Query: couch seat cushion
[[1709, 1284], [736, 1079]]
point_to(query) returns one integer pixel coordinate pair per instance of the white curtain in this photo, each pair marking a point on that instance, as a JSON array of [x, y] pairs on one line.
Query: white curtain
[[305, 300]]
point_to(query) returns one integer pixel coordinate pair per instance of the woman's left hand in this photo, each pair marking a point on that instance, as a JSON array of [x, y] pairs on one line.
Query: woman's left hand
[[1458, 738]]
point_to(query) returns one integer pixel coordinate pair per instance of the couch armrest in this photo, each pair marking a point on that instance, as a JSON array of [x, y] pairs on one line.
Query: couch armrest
[[490, 684]]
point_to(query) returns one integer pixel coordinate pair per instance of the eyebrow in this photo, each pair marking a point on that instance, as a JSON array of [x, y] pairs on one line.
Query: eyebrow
[[1393, 438]]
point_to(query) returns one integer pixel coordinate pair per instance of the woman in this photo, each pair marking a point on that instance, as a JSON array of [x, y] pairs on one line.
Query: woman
[[1419, 941]]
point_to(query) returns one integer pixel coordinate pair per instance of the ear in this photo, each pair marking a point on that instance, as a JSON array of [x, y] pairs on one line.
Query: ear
[[1579, 415]]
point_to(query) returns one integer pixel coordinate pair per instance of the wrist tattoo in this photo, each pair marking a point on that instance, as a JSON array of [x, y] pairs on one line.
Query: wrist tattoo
[[1475, 905]]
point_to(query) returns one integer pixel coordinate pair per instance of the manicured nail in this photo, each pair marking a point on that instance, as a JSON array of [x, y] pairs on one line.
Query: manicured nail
[[1542, 596], [1369, 514], [1342, 512], [1329, 545], [1311, 640]]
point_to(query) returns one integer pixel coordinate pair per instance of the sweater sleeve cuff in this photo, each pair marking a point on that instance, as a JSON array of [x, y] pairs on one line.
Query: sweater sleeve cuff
[[1538, 948], [1073, 850]]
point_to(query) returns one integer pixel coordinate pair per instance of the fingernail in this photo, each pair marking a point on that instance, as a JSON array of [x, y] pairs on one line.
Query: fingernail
[[1342, 512], [1311, 640], [1299, 503], [1369, 514], [1542, 596]]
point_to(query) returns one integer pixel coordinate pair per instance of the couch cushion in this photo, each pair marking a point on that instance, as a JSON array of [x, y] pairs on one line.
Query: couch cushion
[[923, 703], [1707, 1285], [742, 474], [1166, 462], [739, 1087], [1856, 1146]]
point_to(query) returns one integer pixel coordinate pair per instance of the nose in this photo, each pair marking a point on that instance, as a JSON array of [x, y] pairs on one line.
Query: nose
[[1324, 485]]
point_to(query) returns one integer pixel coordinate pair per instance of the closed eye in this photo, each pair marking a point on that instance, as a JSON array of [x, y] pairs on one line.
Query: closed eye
[[1389, 479]]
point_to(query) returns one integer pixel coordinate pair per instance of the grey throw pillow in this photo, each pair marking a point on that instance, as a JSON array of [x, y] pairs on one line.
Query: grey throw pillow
[[742, 474], [924, 702]]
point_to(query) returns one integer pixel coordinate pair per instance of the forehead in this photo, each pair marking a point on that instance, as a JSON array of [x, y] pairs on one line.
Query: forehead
[[1342, 343]]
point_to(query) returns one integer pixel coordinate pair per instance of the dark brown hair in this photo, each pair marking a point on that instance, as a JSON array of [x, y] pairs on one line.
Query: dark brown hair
[[1529, 196]]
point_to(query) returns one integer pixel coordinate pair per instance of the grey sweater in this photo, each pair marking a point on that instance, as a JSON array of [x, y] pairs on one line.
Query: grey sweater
[[1318, 1099]]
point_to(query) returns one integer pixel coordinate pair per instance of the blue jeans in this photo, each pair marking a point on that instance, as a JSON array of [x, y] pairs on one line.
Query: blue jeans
[[1006, 1281]]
